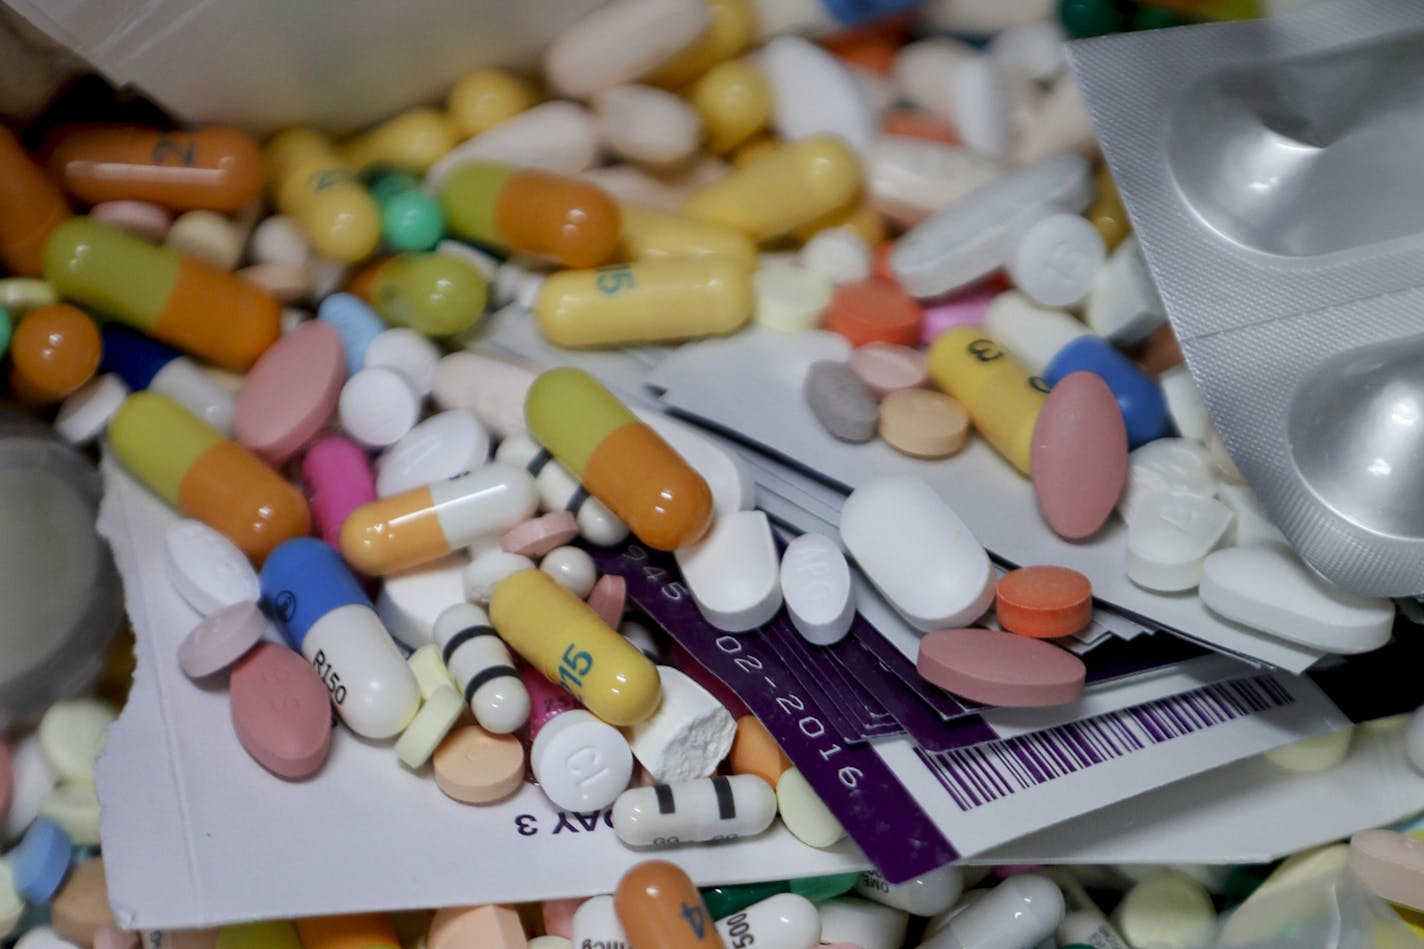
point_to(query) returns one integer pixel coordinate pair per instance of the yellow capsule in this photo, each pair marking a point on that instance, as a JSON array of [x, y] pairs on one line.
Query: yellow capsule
[[799, 183], [859, 216], [411, 141], [656, 301], [482, 99], [317, 188], [754, 151], [1001, 396], [734, 101], [1107, 213], [562, 637], [653, 234], [729, 31]]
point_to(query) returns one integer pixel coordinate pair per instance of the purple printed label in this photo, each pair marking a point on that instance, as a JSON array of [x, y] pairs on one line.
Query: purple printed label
[[858, 787], [946, 705], [926, 727], [783, 643]]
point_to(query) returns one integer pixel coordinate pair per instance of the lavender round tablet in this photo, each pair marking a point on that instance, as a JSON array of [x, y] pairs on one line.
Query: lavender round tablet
[[997, 668], [280, 711], [221, 639], [291, 393], [1078, 461]]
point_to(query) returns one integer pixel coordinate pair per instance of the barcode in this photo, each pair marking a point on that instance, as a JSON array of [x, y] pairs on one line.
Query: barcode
[[986, 772]]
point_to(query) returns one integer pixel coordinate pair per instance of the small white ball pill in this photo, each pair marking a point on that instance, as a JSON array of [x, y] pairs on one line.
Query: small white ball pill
[[572, 568], [689, 734], [481, 666], [377, 407], [207, 235], [279, 240], [72, 734], [838, 254], [409, 353], [685, 812]]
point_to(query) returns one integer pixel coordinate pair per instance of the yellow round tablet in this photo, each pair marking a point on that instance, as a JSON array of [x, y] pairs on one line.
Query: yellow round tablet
[[474, 767]]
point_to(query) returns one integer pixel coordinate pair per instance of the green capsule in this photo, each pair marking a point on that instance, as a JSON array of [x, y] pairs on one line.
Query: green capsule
[[434, 294]]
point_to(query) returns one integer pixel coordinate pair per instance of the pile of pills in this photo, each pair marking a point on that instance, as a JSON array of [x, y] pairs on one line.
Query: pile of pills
[[270, 336]]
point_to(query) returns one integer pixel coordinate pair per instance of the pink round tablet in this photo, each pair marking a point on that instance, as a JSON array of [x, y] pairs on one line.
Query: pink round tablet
[[559, 916], [337, 476], [539, 535], [7, 781], [888, 367], [608, 598], [139, 218], [221, 639], [1078, 461], [280, 711], [109, 936], [997, 668], [290, 393], [962, 309]]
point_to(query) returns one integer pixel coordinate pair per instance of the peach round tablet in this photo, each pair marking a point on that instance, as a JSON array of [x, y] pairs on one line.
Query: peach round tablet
[[280, 711], [996, 668], [537, 536], [888, 367], [1044, 602], [474, 767], [82, 904], [1078, 458], [291, 393], [923, 423], [221, 639], [486, 926], [608, 598]]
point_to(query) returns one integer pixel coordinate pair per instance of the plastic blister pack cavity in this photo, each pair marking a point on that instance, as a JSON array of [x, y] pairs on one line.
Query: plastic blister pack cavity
[[1270, 170], [1322, 911]]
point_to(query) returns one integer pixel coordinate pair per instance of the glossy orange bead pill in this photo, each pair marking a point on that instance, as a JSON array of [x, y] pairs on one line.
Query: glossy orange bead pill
[[1044, 602], [873, 311], [357, 931], [661, 909], [30, 207], [54, 351], [216, 168]]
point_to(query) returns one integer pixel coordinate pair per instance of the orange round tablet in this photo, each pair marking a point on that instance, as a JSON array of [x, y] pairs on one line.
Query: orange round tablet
[[873, 311], [474, 767], [54, 351], [1044, 602]]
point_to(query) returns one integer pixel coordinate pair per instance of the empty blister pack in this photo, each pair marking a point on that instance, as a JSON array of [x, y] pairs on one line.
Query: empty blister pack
[[1270, 170]]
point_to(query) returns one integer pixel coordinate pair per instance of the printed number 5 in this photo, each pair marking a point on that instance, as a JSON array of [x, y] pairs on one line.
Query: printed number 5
[[572, 660], [612, 279], [746, 939], [696, 917]]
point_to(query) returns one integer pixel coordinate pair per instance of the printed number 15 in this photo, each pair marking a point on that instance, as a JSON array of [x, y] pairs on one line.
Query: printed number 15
[[575, 666]]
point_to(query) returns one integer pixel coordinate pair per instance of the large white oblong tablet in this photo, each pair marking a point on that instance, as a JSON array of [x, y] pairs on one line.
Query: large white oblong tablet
[[1269, 588], [731, 483], [733, 572], [443, 446], [813, 94], [411, 601], [689, 734], [917, 552], [1169, 537], [558, 136], [815, 582], [911, 178], [492, 388], [207, 569]]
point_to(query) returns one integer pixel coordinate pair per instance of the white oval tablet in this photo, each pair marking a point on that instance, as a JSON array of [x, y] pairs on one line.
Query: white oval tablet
[[85, 413], [1169, 537], [731, 483], [909, 178], [917, 552], [558, 136], [815, 582], [492, 388], [813, 94], [1269, 588], [409, 353], [207, 569], [646, 124], [847, 919], [733, 572], [443, 446], [689, 734], [581, 763], [411, 601], [377, 407]]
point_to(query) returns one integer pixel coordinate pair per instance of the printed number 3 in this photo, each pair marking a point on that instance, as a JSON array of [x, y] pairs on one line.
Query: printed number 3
[[696, 917]]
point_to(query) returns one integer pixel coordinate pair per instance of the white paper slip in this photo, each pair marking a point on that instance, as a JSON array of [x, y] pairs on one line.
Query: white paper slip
[[193, 828], [742, 384]]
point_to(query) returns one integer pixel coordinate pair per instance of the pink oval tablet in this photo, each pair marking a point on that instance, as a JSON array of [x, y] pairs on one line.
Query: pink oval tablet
[[336, 473], [888, 367], [109, 936], [280, 711], [539, 535], [1078, 461], [290, 393], [7, 781], [221, 639], [608, 598], [997, 668], [139, 218]]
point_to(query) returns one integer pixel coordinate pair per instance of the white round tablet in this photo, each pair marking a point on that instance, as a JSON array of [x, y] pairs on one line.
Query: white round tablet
[[85, 413], [410, 601], [377, 407], [407, 352], [207, 569], [838, 254], [1055, 258], [582, 764], [443, 446]]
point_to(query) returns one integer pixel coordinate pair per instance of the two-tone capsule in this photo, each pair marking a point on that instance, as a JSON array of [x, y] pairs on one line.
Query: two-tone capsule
[[708, 809], [481, 665]]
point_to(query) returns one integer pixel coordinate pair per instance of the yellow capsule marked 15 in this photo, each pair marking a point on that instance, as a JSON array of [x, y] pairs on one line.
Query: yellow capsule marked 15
[[1002, 398], [648, 302], [562, 637]]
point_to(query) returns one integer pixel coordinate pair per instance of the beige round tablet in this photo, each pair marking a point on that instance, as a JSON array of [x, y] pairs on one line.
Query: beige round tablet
[[475, 767], [82, 905], [211, 237], [429, 727], [923, 423], [287, 282]]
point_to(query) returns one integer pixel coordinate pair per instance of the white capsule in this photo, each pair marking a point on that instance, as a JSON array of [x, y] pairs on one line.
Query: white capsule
[[559, 490], [815, 582], [708, 809], [595, 926], [1019, 913], [689, 734], [443, 446], [1032, 333], [480, 664], [783, 921], [488, 570], [581, 763], [373, 689], [864, 924], [926, 895], [733, 572]]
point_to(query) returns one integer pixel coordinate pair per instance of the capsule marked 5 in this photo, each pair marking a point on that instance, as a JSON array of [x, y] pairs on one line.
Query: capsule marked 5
[[620, 460], [562, 637]]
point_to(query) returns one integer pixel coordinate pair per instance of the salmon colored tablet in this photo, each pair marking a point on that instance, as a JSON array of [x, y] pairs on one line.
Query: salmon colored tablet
[[280, 711], [996, 668], [873, 311], [290, 393], [1044, 602], [474, 767], [1078, 457], [608, 598]]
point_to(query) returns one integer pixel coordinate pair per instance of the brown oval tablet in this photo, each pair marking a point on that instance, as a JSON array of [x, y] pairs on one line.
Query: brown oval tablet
[[840, 401], [923, 423], [280, 711], [1078, 461], [291, 393], [81, 907], [475, 767], [997, 668]]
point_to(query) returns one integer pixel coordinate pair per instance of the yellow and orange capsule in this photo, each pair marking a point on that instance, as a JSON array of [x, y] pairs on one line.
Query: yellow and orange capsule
[[660, 908], [30, 208]]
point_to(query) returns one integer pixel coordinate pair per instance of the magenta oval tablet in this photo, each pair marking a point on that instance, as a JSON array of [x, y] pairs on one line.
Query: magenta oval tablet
[[1078, 461], [537, 536], [280, 711], [221, 639], [290, 393], [997, 668]]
